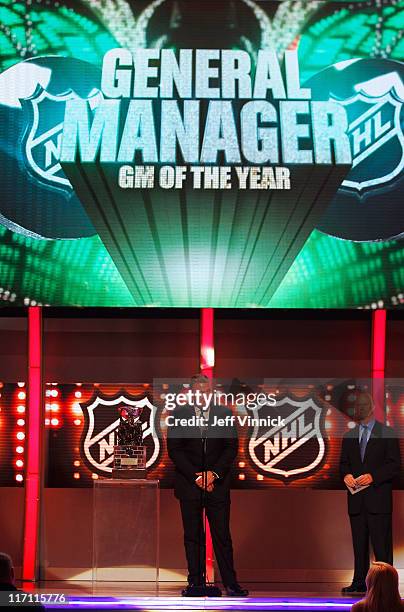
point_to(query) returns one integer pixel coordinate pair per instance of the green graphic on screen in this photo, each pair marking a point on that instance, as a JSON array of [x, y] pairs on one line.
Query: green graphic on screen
[[73, 269]]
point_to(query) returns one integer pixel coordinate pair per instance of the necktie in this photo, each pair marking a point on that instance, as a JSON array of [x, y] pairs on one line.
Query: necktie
[[203, 422], [363, 441]]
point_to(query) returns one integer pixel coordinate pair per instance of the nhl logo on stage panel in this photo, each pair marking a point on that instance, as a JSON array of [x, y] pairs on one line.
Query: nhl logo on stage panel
[[293, 450], [101, 415]]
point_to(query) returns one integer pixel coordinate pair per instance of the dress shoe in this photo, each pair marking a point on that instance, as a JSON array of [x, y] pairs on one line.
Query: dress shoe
[[190, 590], [199, 590], [354, 589], [235, 590]]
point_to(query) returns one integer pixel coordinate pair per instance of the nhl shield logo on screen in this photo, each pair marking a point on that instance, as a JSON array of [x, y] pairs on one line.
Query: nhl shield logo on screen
[[294, 449], [368, 204], [42, 146], [375, 130], [33, 98], [101, 415], [44, 138]]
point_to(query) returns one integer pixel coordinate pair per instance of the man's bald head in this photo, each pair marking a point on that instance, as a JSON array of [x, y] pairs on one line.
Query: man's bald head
[[6, 569]]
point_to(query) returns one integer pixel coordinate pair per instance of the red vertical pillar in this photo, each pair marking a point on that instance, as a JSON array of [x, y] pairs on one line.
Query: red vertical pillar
[[207, 357], [378, 362], [206, 364], [33, 456]]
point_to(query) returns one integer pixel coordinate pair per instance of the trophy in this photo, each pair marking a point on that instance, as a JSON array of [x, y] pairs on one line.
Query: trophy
[[129, 450]]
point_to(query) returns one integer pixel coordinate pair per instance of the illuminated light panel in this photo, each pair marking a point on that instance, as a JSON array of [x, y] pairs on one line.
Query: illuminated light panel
[[19, 433]]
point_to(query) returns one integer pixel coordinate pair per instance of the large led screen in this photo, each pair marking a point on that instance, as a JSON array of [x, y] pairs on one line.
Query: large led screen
[[202, 154]]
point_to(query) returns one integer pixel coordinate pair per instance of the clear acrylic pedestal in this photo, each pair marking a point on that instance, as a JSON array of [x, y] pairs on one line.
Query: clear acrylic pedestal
[[126, 517]]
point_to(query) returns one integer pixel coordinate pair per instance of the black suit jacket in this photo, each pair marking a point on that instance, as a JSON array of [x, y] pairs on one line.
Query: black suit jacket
[[7, 586], [382, 461], [185, 448]]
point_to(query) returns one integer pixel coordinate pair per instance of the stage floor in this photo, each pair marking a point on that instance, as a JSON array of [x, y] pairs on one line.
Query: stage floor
[[144, 597]]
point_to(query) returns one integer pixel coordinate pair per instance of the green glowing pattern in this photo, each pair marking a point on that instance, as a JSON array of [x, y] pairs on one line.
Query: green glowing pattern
[[353, 32], [332, 273], [73, 272], [46, 27]]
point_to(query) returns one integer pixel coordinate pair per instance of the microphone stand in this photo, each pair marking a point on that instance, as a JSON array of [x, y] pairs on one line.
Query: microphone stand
[[206, 589]]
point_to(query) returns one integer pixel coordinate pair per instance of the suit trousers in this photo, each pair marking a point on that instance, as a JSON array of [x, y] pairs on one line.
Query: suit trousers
[[218, 514], [377, 528]]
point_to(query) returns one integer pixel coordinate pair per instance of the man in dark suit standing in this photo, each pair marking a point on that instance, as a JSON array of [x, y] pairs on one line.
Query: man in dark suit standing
[[370, 458], [203, 455]]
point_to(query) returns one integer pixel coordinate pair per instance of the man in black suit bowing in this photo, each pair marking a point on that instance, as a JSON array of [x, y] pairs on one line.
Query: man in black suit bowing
[[203, 454], [370, 457]]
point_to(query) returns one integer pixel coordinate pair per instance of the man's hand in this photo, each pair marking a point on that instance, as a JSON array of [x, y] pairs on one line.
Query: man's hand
[[350, 481], [365, 479], [205, 480]]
